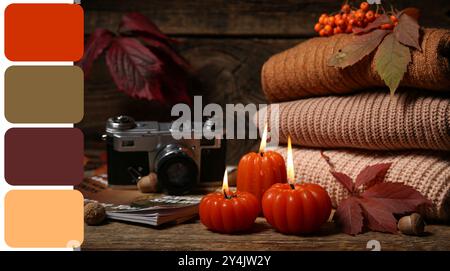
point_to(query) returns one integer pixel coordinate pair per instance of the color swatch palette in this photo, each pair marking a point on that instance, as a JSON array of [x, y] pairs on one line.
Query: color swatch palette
[[44, 32], [36, 94]]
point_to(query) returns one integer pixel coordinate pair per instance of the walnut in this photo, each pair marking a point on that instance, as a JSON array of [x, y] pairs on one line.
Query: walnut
[[94, 213]]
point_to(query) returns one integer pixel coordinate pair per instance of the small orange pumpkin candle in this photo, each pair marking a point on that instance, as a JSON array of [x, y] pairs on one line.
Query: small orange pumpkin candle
[[228, 212], [257, 172], [296, 208]]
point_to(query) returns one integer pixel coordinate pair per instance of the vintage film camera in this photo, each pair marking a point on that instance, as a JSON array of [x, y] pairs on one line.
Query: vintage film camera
[[134, 149]]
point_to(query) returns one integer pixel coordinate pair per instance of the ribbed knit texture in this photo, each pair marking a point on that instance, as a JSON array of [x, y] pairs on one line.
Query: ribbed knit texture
[[303, 71], [427, 172], [369, 120]]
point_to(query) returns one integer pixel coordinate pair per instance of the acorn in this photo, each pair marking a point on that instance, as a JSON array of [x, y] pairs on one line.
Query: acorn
[[94, 213], [148, 184], [412, 224]]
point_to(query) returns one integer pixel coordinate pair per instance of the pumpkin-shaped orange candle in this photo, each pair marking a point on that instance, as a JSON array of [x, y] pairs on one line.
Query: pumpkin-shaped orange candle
[[296, 208], [257, 172], [228, 212]]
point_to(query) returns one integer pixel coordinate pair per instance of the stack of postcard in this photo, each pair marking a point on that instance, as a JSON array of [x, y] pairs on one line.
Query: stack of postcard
[[133, 206]]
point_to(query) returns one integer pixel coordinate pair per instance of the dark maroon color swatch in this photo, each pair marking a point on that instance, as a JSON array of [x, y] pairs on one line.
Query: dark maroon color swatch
[[44, 156]]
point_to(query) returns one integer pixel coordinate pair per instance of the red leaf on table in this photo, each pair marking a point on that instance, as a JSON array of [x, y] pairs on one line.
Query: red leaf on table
[[344, 179], [167, 50], [359, 47], [95, 46], [396, 198], [372, 174], [135, 69], [136, 22], [349, 215], [378, 218], [383, 19], [407, 31]]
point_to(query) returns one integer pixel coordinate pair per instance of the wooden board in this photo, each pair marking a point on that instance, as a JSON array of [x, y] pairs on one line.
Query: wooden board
[[239, 18], [194, 236], [225, 71]]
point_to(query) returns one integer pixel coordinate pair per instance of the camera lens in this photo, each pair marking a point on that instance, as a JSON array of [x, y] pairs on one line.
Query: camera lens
[[177, 171]]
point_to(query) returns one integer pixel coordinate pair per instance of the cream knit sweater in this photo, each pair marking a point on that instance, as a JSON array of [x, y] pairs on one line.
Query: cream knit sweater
[[427, 172], [368, 120]]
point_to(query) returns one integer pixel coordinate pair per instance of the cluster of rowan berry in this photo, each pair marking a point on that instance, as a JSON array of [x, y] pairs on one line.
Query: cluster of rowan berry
[[350, 17]]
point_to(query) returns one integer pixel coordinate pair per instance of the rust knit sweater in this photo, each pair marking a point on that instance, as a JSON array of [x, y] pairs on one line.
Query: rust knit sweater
[[303, 71], [427, 172], [368, 120]]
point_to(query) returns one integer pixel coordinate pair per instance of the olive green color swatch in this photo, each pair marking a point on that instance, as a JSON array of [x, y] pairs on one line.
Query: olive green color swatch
[[44, 94]]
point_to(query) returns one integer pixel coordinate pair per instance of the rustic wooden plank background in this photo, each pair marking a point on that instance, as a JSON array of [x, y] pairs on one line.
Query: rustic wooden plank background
[[226, 41]]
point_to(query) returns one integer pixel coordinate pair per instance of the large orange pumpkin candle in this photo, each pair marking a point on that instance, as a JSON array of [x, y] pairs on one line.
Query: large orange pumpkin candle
[[296, 208], [228, 212], [257, 172]]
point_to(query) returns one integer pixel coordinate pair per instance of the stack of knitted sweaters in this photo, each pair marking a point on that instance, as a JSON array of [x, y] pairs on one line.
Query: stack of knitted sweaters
[[350, 115]]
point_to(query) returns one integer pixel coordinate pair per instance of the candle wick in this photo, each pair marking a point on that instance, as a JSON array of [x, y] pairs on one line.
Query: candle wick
[[262, 154], [225, 195], [292, 186]]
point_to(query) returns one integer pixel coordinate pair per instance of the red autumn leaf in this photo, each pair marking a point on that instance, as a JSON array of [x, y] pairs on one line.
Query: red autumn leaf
[[378, 218], [359, 47], [407, 31], [383, 19], [167, 50], [397, 198], [95, 46], [372, 174], [136, 22], [344, 179], [379, 202], [349, 215], [135, 69]]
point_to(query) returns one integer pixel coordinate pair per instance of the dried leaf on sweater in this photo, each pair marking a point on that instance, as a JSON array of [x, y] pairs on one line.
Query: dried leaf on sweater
[[344, 179], [360, 46], [373, 174], [377, 205], [407, 31], [391, 61], [395, 197]]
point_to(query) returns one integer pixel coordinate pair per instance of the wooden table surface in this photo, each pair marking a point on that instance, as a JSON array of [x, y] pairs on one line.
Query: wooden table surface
[[193, 236]]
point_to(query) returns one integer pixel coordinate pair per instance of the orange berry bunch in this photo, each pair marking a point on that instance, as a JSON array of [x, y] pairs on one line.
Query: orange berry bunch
[[347, 18], [389, 26]]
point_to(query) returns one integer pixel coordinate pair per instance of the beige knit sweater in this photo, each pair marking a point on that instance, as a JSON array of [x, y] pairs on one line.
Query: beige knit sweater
[[369, 120], [427, 172], [303, 71]]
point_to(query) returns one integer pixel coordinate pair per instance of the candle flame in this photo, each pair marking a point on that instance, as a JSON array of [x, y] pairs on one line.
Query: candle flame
[[290, 163], [225, 188], [262, 146]]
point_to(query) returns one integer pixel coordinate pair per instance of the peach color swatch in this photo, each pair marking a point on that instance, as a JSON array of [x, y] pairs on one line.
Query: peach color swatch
[[44, 218]]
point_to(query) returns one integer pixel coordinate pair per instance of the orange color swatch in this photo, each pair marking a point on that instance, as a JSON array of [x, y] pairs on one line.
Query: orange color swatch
[[44, 218], [44, 32]]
